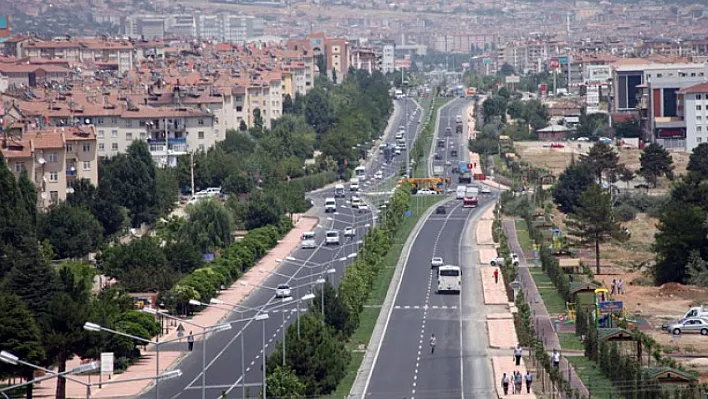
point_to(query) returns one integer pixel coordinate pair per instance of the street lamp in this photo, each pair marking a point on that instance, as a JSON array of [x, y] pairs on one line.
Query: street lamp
[[205, 330], [261, 317], [93, 327]]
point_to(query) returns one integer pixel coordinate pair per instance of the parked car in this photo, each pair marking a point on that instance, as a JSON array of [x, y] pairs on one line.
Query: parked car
[[426, 191], [485, 190], [349, 232], [557, 145], [498, 261], [440, 210], [694, 325], [283, 291], [583, 139], [436, 262]]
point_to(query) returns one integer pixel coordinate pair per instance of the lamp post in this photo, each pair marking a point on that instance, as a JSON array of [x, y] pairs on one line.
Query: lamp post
[[93, 327], [9, 358], [205, 331], [261, 317]]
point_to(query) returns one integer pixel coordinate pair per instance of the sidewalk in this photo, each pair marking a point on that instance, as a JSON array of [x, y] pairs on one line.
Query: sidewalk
[[170, 356], [541, 318]]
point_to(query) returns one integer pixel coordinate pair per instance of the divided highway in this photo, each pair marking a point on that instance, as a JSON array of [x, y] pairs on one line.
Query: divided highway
[[300, 270], [404, 366]]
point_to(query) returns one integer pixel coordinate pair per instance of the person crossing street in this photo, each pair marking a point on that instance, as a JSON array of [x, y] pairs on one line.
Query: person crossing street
[[432, 344]]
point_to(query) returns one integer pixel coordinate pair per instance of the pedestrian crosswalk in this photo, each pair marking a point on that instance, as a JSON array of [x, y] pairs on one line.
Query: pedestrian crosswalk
[[425, 307]]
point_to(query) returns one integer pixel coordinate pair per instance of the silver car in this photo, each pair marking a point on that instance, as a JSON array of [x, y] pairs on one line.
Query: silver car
[[693, 325], [436, 262]]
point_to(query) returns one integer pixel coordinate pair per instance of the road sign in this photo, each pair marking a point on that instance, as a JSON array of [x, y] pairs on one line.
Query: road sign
[[107, 363], [554, 63]]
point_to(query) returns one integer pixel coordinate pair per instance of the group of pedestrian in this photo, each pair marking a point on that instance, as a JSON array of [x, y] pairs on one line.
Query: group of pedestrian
[[616, 286], [517, 380]]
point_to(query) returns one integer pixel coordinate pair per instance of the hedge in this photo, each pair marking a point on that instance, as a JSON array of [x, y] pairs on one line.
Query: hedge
[[205, 283]]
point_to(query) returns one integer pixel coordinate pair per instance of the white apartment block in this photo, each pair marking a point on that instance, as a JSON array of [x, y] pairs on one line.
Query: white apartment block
[[388, 57], [222, 27], [696, 115], [118, 53]]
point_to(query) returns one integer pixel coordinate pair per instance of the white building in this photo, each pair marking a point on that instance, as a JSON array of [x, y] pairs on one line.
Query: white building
[[388, 57], [696, 115]]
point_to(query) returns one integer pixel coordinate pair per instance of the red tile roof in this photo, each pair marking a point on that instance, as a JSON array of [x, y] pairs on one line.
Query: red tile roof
[[699, 88]]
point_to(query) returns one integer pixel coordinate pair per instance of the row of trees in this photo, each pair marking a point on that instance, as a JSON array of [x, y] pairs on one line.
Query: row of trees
[[317, 358], [42, 306]]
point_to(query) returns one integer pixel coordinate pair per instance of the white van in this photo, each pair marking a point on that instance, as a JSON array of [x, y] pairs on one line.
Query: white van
[[356, 202], [354, 184], [339, 191], [332, 237], [330, 205], [460, 194]]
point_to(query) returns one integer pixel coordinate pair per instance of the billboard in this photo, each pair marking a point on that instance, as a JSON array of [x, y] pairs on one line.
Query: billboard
[[487, 61], [544, 89], [671, 133], [554, 63], [405, 64], [513, 79], [598, 73], [611, 307]]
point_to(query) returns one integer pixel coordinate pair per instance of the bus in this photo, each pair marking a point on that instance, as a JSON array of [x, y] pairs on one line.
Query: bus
[[360, 173], [449, 279]]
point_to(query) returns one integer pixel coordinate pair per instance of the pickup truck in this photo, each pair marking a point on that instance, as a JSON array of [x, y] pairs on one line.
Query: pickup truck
[[498, 261]]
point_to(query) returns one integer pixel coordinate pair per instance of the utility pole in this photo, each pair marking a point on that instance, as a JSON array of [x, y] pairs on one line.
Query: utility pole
[[191, 168]]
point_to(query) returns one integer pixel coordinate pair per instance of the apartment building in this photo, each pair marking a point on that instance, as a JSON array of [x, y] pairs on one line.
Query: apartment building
[[223, 27], [527, 56], [387, 62], [337, 56], [111, 54], [696, 114], [53, 158]]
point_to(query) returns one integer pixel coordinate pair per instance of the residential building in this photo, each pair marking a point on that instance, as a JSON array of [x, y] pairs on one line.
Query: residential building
[[223, 27], [696, 114], [53, 158], [388, 57], [337, 56], [111, 54]]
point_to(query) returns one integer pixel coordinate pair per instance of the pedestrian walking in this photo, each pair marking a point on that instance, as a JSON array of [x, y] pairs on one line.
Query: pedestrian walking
[[190, 341], [505, 384], [432, 344], [496, 276], [612, 287], [518, 381], [620, 287], [518, 351], [529, 380], [556, 358]]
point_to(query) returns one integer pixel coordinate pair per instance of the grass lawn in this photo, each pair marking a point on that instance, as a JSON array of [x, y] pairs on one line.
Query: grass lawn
[[367, 318], [522, 234], [551, 298], [599, 386], [425, 138], [570, 341]]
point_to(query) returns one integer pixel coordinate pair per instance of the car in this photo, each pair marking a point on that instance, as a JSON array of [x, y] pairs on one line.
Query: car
[[453, 153], [332, 237], [692, 325], [440, 210], [583, 139], [557, 145], [283, 291], [437, 156], [425, 191], [448, 131], [448, 163], [349, 232], [378, 175], [436, 262], [397, 152], [499, 260], [642, 185], [485, 190]]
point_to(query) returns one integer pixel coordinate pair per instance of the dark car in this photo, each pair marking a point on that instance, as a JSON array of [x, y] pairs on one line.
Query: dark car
[[440, 210], [437, 157], [453, 153]]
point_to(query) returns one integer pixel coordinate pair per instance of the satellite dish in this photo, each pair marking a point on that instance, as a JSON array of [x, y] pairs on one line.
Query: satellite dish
[[87, 121], [70, 190], [72, 169], [41, 161]]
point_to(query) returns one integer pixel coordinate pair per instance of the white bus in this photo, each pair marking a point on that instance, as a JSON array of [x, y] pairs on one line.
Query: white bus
[[360, 173], [449, 279]]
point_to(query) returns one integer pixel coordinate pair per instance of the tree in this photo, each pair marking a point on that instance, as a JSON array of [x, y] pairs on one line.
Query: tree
[[697, 269], [655, 161], [238, 183], [29, 196], [318, 111], [167, 189], [208, 225], [287, 104], [20, 336], [258, 121], [628, 129], [262, 210], [72, 231], [625, 174], [337, 314], [572, 183], [599, 159], [139, 266], [592, 220], [242, 126], [698, 161], [102, 202], [283, 383], [334, 75]]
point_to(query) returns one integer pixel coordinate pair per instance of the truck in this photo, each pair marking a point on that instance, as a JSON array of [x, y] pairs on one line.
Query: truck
[[339, 191], [438, 170], [694, 312], [330, 205], [471, 199], [465, 175], [354, 184]]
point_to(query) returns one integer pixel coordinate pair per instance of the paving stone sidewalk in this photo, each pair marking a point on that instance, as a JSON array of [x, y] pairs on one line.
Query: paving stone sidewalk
[[540, 315]]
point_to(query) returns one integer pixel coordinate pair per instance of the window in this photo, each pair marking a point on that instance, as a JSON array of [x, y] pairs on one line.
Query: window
[[143, 135], [19, 167], [658, 75], [99, 121], [699, 128], [53, 177], [52, 157], [69, 148], [698, 107], [201, 147], [101, 147], [87, 165], [101, 134], [128, 123], [86, 148], [141, 123], [129, 136], [239, 108], [200, 135], [54, 196], [114, 133], [698, 96], [114, 146], [699, 140], [200, 122]]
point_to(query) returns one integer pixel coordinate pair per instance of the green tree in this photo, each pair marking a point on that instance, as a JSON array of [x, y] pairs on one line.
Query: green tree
[[628, 129], [288, 104], [238, 183], [600, 159], [262, 210], [72, 231], [572, 183], [334, 76], [208, 225], [592, 220], [242, 126], [697, 269], [28, 191], [102, 202], [20, 336], [283, 383], [258, 121], [625, 174], [698, 161], [139, 266], [337, 314], [318, 111], [655, 161], [167, 189]]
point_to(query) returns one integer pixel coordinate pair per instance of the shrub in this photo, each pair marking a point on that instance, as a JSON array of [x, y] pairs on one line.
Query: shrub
[[625, 212]]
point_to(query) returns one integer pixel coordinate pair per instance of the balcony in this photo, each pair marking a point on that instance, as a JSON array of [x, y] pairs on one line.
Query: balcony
[[669, 122], [171, 140]]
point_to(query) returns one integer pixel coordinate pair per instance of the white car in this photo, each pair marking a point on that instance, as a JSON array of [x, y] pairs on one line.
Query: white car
[[486, 190], [426, 191], [332, 237], [436, 262], [378, 175], [283, 291], [349, 232], [308, 244], [583, 139]]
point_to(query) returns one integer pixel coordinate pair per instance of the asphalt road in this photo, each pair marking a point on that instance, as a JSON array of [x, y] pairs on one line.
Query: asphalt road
[[300, 270], [459, 368]]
